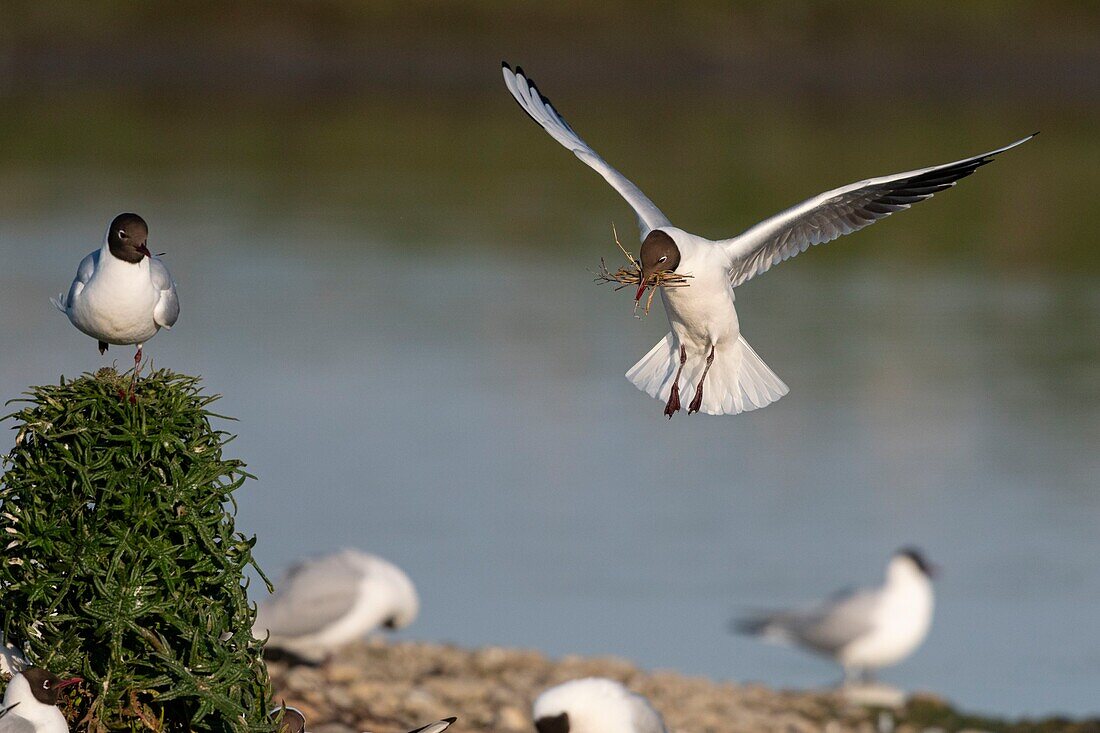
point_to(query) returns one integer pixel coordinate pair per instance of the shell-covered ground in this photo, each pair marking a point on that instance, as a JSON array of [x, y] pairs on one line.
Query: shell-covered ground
[[392, 688]]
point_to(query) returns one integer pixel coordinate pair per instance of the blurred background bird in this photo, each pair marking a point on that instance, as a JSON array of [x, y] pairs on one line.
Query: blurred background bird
[[323, 603], [861, 629]]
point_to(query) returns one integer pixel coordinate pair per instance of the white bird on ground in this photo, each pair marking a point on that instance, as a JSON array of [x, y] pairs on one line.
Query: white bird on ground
[[326, 602], [705, 344], [30, 703], [122, 294], [862, 629], [595, 705]]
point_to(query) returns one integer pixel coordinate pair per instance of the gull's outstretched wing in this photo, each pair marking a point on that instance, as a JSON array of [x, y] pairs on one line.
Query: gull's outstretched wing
[[542, 111], [841, 211]]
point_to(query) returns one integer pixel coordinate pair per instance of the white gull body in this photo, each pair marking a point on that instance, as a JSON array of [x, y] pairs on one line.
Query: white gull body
[[594, 705], [702, 315], [119, 302], [23, 713], [326, 602], [863, 629]]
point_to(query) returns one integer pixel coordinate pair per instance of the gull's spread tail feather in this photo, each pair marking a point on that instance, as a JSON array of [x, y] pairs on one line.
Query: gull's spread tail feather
[[738, 380]]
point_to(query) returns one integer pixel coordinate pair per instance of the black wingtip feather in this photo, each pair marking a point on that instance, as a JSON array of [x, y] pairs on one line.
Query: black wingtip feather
[[450, 719]]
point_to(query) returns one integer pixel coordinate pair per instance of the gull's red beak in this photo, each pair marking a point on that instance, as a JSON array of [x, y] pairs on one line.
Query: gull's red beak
[[66, 683], [641, 290], [144, 250]]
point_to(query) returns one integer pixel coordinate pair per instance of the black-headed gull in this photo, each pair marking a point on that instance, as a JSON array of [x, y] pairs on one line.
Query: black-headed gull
[[326, 602], [122, 294], [862, 629], [30, 703], [705, 344], [594, 705]]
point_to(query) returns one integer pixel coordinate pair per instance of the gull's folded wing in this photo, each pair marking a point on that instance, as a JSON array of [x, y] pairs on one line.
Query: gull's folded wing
[[542, 111], [841, 211]]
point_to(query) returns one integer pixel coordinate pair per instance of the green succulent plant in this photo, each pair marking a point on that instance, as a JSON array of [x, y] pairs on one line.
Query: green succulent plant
[[121, 563]]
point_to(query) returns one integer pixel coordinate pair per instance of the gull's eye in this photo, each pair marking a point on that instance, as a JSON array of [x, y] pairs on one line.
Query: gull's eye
[[662, 258], [122, 234], [45, 684]]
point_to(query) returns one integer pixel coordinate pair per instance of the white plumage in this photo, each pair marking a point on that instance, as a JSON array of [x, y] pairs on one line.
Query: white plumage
[[326, 602], [594, 705], [862, 629], [28, 710], [702, 316], [121, 301]]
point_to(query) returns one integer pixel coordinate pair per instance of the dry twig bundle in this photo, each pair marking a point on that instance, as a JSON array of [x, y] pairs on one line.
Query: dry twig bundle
[[627, 276]]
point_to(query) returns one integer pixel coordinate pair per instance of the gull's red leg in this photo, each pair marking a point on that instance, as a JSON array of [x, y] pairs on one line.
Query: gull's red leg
[[673, 403], [697, 400]]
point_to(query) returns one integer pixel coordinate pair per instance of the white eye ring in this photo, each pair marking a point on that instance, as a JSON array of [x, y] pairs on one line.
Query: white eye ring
[[122, 234], [45, 684], [662, 258]]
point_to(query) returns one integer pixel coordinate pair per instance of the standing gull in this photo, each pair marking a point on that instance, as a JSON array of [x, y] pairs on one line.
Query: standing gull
[[122, 294], [30, 703], [705, 345], [326, 602], [863, 629], [595, 705]]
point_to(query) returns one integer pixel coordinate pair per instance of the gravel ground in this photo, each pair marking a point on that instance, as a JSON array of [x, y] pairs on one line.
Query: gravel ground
[[392, 688]]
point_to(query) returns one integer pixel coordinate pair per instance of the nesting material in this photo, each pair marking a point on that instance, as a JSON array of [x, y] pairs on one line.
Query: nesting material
[[627, 276]]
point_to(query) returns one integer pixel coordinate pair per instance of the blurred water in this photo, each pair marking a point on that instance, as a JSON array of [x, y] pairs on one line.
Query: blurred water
[[422, 367]]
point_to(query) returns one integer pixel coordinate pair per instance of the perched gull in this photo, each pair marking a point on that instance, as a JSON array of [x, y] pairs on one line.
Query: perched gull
[[862, 629], [705, 344], [122, 294], [325, 602], [30, 703], [595, 705]]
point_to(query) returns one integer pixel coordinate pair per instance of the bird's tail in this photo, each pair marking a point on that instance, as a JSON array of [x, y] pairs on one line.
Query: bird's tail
[[769, 626], [738, 380], [59, 302]]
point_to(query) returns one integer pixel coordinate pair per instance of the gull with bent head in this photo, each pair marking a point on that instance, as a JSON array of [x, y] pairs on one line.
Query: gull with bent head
[[595, 705], [705, 346], [326, 602]]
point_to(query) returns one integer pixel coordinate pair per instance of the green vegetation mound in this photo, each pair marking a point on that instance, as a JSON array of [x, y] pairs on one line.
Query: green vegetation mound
[[121, 562]]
